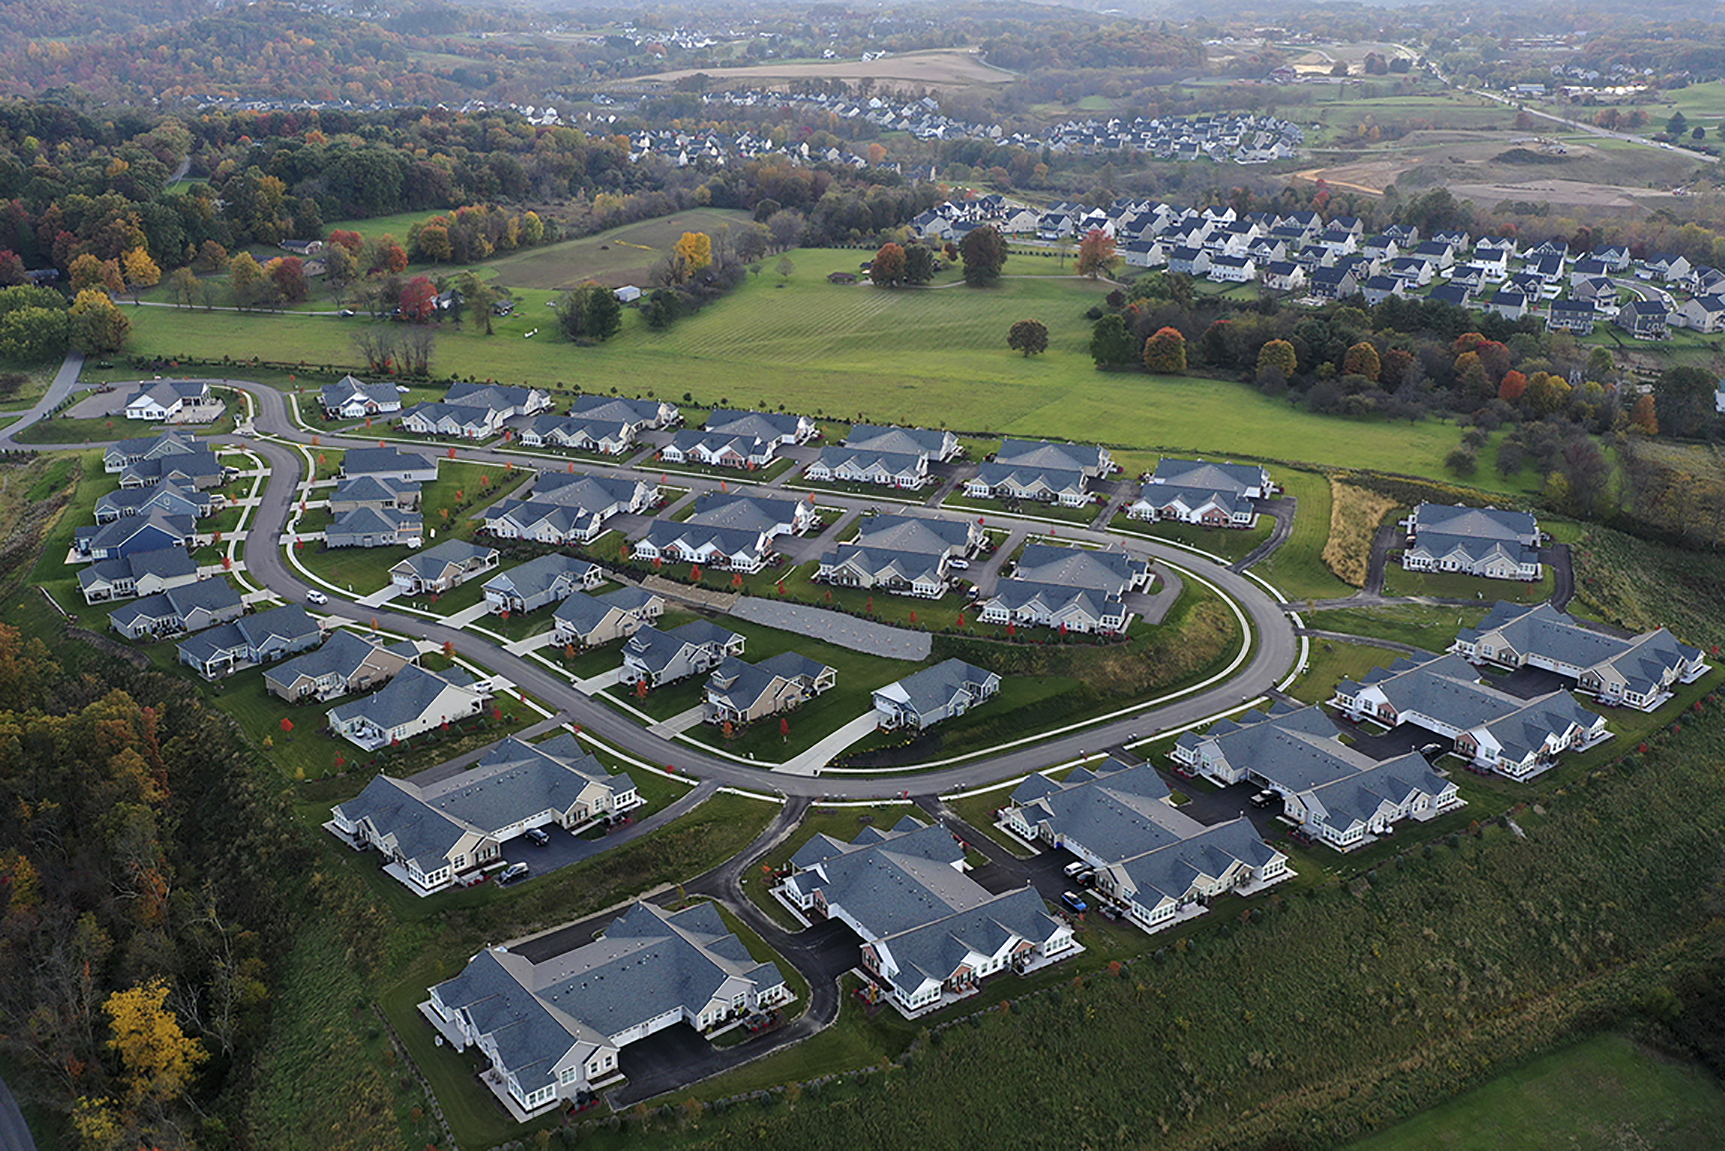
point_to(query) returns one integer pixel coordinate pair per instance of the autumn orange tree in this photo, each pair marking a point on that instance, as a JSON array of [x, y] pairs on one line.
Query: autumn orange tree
[[1165, 352], [1096, 255]]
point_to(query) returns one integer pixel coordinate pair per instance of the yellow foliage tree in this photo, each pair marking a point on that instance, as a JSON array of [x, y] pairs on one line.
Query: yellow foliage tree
[[695, 251], [158, 1056], [141, 271]]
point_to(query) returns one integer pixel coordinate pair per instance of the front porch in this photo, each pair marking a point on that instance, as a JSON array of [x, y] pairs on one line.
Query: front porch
[[948, 997]]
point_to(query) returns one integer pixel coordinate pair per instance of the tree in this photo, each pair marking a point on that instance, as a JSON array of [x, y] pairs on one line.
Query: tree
[[140, 270], [479, 294], [1362, 360], [692, 252], [1096, 256], [662, 309], [1643, 415], [12, 270], [389, 256], [1028, 337], [85, 272], [919, 264], [1683, 398], [1511, 388], [1112, 344], [888, 268], [247, 281], [156, 1053], [339, 267], [30, 335], [185, 289], [1462, 461], [211, 259], [984, 254], [287, 273], [589, 312], [1279, 354], [1677, 125], [1165, 352], [784, 268], [418, 300], [97, 325]]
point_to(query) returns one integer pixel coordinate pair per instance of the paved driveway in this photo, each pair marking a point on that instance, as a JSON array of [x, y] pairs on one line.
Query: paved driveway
[[834, 628]]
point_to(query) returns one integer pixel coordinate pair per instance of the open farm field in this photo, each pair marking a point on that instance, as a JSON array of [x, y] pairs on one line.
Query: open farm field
[[941, 68], [927, 356], [614, 258], [1606, 1092]]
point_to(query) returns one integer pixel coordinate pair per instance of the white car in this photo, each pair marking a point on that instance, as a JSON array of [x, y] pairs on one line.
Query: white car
[[958, 565], [316, 597], [1072, 869]]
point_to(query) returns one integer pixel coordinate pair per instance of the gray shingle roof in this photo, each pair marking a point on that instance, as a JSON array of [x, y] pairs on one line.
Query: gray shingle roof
[[1112, 815], [539, 575], [1108, 572], [762, 425], [342, 654], [212, 595], [1356, 798], [934, 688], [745, 513], [403, 699], [1044, 455], [1172, 871], [589, 493], [921, 441], [163, 563], [911, 534], [1296, 749], [429, 564], [370, 461]]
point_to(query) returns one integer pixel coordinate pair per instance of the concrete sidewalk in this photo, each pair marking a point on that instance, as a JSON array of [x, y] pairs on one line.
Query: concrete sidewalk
[[469, 615], [677, 724], [811, 761]]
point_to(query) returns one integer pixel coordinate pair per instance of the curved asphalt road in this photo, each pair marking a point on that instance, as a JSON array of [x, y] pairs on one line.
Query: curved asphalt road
[[1277, 644]]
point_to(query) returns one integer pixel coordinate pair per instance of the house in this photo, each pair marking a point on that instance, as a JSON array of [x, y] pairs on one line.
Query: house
[[1454, 294], [553, 1029], [1334, 283], [722, 548], [185, 608], [944, 691], [442, 567], [1701, 314], [1601, 291], [1588, 269], [568, 508], [1381, 247], [1548, 270], [934, 445], [354, 399], [951, 538], [1574, 316], [413, 702], [1233, 269], [502, 399], [588, 620], [740, 693], [1352, 812], [259, 638], [1412, 271], [541, 582], [1284, 276], [137, 574], [655, 657], [844, 464], [432, 833], [1198, 492], [1637, 671], [637, 414], [1644, 319], [915, 573], [390, 464], [769, 427], [1510, 303], [123, 537], [1487, 542], [1033, 603], [374, 492], [752, 513], [172, 456], [1100, 816], [929, 933], [1043, 485], [1179, 879], [1492, 730], [463, 421], [1145, 253], [541, 522], [1665, 267], [367, 527], [165, 399], [605, 437], [345, 663], [1377, 289], [718, 450], [1107, 570], [1188, 261], [168, 499], [1616, 257]]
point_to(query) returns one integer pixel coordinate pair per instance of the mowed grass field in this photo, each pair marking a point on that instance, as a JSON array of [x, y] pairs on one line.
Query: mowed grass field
[[938, 68], [614, 258], [1606, 1092], [933, 356]]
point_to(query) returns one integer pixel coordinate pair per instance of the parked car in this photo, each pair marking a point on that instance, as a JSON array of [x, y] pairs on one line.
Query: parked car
[[958, 565], [537, 836], [1074, 901], [1264, 798], [1072, 869], [316, 597], [1087, 877], [513, 872]]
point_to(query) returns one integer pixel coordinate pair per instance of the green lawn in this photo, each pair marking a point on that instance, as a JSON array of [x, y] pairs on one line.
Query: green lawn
[[1454, 585], [615, 257], [1229, 543], [1608, 1091], [816, 348], [1333, 661], [1297, 567], [1431, 628]]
